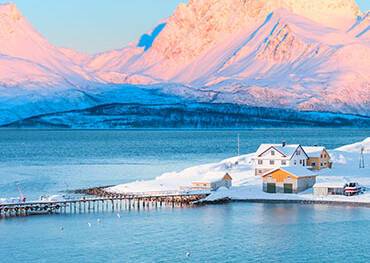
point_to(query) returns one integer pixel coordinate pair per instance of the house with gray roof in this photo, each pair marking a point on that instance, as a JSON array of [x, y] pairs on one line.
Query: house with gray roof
[[271, 156]]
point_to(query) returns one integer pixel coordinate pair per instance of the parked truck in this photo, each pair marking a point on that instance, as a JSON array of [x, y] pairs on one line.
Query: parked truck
[[353, 188]]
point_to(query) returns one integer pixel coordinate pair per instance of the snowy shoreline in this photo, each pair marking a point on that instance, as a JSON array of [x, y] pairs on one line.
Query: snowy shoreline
[[248, 187]]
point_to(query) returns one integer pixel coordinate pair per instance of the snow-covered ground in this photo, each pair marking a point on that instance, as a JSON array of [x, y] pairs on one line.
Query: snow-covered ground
[[247, 186]]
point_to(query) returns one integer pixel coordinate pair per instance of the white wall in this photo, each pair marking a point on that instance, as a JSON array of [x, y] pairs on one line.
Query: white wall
[[267, 156], [299, 158]]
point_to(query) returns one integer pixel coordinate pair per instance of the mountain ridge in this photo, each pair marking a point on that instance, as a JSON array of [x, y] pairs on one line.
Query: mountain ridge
[[299, 55]]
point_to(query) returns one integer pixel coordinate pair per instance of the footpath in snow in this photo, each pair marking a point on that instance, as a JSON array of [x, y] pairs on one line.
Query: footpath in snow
[[247, 186]]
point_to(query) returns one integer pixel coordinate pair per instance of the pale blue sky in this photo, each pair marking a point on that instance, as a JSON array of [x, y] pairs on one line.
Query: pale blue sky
[[98, 25]]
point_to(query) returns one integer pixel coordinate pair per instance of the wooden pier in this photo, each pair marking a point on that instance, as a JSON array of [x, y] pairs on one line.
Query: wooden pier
[[111, 203]]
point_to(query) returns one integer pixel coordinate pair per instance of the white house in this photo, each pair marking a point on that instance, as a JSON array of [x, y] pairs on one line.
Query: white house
[[272, 156]]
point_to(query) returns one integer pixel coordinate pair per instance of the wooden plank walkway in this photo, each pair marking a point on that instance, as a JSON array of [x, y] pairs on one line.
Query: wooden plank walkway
[[111, 203]]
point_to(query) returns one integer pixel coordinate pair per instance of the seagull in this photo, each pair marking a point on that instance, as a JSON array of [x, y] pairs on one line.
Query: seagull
[[98, 220], [188, 254], [61, 228], [118, 215], [89, 224]]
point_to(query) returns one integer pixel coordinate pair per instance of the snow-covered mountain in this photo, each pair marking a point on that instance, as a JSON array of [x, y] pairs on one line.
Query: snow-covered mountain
[[309, 55], [28, 60], [291, 54], [35, 76]]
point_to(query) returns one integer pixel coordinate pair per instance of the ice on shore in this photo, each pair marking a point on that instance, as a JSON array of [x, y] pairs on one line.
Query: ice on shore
[[247, 186]]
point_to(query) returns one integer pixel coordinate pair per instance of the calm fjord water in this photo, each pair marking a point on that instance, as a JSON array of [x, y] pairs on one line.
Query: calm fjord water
[[48, 161]]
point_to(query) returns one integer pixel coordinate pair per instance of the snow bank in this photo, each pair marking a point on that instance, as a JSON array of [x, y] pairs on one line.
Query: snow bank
[[356, 147], [240, 168]]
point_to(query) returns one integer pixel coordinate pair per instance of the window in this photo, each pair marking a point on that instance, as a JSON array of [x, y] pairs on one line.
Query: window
[[313, 164], [295, 162], [272, 152], [260, 161], [298, 152], [324, 155], [321, 164], [283, 162], [272, 162], [300, 161], [321, 156]]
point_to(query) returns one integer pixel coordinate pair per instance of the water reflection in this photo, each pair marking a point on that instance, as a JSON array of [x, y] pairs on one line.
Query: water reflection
[[234, 232]]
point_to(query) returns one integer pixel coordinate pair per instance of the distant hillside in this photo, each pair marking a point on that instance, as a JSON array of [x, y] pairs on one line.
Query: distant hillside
[[204, 115]]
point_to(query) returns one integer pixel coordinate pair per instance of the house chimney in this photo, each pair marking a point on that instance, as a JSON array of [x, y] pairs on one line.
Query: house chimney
[[283, 144]]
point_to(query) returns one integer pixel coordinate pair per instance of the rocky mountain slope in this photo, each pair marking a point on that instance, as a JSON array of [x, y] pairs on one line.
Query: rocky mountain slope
[[308, 55], [289, 54]]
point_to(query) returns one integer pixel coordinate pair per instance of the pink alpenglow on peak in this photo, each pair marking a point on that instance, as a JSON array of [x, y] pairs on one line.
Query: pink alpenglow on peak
[[307, 55], [292, 54], [25, 53], [11, 11]]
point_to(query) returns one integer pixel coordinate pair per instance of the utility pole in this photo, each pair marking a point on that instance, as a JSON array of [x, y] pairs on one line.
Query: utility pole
[[238, 144], [22, 198], [362, 159]]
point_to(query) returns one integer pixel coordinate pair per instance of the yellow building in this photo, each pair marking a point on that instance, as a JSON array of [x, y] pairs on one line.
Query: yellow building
[[288, 180], [318, 157]]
